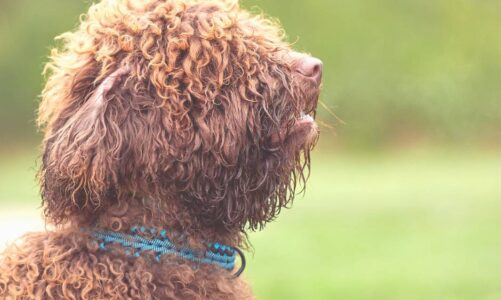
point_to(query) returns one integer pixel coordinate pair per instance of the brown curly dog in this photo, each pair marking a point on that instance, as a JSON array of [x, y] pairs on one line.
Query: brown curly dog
[[192, 119]]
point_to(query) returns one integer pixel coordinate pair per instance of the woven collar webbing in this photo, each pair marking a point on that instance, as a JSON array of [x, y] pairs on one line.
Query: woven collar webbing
[[137, 243]]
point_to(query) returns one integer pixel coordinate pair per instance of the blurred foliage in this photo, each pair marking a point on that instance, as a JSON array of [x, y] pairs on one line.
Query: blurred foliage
[[27, 31], [403, 69], [395, 71]]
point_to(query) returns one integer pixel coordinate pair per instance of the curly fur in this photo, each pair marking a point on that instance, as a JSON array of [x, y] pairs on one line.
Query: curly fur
[[168, 113]]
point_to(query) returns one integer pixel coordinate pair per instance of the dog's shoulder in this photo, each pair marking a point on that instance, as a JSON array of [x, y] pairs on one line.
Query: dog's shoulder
[[37, 264]]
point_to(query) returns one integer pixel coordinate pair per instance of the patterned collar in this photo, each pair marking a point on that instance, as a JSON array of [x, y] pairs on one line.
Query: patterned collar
[[143, 240]]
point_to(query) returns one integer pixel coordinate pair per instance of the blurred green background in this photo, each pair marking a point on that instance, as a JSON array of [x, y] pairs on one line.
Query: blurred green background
[[404, 198]]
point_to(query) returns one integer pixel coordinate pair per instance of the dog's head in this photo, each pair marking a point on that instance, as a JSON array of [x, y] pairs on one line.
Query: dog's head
[[196, 102]]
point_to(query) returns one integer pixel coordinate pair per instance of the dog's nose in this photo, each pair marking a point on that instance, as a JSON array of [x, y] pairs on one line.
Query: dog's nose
[[311, 67]]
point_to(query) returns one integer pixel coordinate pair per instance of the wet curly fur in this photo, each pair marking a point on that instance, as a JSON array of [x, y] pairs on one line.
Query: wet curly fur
[[177, 114]]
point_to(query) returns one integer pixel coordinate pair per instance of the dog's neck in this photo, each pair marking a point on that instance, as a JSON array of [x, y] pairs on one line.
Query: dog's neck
[[167, 214]]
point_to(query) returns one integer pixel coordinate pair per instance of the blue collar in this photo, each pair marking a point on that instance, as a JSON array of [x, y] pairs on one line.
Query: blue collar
[[136, 244]]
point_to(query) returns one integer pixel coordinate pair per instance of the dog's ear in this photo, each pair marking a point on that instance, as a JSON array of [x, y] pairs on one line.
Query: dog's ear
[[82, 144]]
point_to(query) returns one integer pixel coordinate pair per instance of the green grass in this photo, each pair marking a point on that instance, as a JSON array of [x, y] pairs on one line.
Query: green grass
[[390, 226], [422, 226]]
